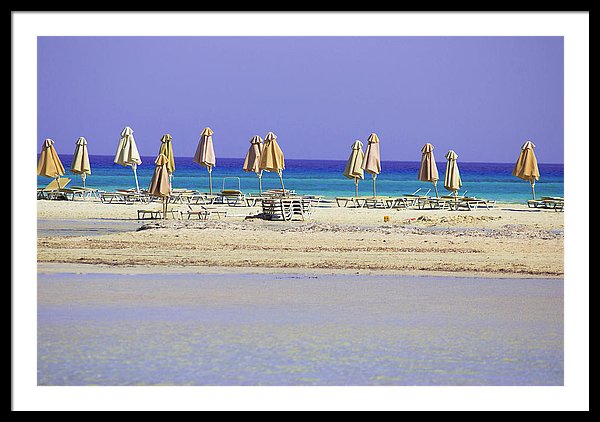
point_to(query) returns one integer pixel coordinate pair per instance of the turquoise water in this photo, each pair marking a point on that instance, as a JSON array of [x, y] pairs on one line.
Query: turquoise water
[[324, 177]]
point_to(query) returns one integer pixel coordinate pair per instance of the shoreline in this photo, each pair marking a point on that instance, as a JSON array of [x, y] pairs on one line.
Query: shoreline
[[83, 268]]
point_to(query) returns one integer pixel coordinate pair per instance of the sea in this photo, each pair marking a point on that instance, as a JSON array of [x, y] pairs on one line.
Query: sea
[[324, 178]]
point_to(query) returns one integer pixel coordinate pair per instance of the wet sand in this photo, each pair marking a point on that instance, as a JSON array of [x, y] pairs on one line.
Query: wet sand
[[297, 329]]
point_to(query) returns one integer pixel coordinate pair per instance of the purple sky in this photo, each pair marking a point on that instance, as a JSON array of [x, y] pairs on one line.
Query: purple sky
[[481, 96]]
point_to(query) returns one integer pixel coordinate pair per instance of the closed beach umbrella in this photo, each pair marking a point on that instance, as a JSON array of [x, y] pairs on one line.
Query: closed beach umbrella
[[166, 148], [205, 153], [252, 160], [159, 184], [428, 171], [127, 153], [372, 159], [49, 164], [81, 160], [353, 168], [526, 167], [271, 157], [452, 180]]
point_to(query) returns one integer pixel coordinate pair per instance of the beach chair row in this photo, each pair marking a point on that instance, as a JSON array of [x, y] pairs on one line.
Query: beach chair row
[[416, 201]]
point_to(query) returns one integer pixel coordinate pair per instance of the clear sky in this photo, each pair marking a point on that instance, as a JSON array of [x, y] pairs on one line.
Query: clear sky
[[481, 96]]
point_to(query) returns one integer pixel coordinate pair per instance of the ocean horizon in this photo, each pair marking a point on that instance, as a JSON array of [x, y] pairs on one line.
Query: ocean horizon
[[323, 177]]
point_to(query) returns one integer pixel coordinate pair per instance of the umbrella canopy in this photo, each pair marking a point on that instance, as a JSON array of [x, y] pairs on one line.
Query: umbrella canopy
[[166, 148], [354, 168], [372, 159], [452, 180], [252, 160], [526, 167], [127, 153], [159, 184], [271, 157], [81, 159], [428, 171], [205, 153], [49, 164]]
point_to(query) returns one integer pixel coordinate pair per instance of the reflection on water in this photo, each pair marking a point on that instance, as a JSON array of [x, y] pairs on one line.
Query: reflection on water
[[288, 330]]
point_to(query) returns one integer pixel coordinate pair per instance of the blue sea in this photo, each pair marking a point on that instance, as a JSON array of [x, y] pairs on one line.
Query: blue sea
[[324, 177]]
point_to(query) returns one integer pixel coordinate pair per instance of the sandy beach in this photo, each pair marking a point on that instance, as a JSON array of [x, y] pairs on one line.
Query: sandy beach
[[510, 240]]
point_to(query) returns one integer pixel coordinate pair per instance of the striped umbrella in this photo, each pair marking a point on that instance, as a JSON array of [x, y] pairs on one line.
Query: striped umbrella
[[205, 153], [353, 168], [81, 160], [252, 160], [127, 153], [526, 167]]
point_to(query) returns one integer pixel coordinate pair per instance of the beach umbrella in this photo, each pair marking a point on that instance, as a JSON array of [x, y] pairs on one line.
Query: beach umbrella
[[428, 171], [372, 159], [205, 153], [127, 153], [166, 148], [252, 160], [526, 167], [159, 184], [452, 180], [81, 159], [353, 168], [271, 157], [49, 164]]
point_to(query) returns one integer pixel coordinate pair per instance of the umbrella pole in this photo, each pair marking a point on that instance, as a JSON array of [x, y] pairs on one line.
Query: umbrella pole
[[281, 179], [210, 179], [374, 185], [356, 186], [137, 185], [259, 181], [533, 188], [436, 191], [83, 179], [164, 208]]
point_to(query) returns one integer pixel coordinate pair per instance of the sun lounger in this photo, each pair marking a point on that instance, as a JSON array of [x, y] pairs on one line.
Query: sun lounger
[[204, 213], [356, 201], [548, 202], [471, 203], [115, 198], [51, 190], [157, 213]]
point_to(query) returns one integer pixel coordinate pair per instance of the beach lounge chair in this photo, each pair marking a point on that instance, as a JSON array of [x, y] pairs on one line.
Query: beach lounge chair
[[157, 213], [378, 202], [204, 213], [547, 202], [115, 198], [52, 189], [471, 203], [355, 201], [276, 208]]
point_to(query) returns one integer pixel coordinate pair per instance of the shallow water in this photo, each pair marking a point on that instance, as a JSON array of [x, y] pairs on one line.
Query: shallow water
[[195, 329]]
